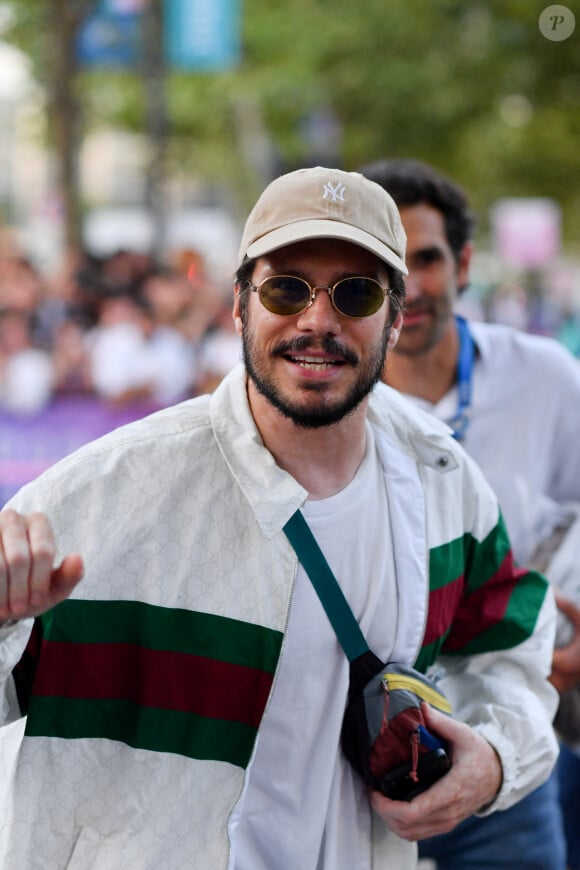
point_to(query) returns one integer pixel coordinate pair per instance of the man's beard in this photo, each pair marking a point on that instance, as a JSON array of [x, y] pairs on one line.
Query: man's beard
[[321, 414], [415, 341]]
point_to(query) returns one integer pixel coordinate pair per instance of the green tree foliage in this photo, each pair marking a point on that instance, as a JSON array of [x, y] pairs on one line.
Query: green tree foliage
[[474, 88]]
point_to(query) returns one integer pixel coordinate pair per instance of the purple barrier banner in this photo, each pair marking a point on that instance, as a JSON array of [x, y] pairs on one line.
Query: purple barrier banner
[[29, 445]]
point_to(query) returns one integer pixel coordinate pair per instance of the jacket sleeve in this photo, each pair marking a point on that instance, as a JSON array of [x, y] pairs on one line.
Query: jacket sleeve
[[16, 667], [13, 640], [506, 697], [491, 626]]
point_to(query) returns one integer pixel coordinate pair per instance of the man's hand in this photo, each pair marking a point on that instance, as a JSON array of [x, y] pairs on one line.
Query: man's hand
[[473, 781], [29, 584], [566, 660]]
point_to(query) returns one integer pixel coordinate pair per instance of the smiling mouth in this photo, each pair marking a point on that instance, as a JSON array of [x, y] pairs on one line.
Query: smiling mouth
[[316, 357], [417, 309], [416, 317], [314, 363]]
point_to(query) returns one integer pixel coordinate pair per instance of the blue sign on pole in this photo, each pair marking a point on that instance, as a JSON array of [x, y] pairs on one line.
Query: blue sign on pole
[[110, 36], [202, 34]]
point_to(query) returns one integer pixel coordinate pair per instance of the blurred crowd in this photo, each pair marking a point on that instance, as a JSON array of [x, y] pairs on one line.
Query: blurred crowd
[[530, 305], [121, 328]]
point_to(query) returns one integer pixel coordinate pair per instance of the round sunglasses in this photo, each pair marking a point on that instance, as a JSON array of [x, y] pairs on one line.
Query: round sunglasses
[[353, 297]]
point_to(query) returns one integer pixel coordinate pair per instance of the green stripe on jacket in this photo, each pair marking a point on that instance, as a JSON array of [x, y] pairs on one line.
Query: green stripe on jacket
[[155, 678], [478, 600]]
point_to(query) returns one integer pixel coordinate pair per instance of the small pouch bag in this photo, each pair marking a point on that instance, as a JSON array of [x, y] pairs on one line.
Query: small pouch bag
[[384, 735]]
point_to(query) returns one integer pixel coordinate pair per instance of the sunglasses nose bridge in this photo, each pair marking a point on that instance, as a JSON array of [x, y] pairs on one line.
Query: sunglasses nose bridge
[[317, 310], [314, 290]]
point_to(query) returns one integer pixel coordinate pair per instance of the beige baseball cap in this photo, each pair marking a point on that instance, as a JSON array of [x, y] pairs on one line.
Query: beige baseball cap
[[321, 203]]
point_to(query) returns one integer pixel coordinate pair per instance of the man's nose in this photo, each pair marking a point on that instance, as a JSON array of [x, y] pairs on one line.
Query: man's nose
[[412, 285], [321, 316]]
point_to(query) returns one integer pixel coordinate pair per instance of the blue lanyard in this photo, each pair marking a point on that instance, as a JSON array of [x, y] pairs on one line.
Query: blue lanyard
[[465, 361]]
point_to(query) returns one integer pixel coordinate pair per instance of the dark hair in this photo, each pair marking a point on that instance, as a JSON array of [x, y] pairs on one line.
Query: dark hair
[[243, 278], [411, 182]]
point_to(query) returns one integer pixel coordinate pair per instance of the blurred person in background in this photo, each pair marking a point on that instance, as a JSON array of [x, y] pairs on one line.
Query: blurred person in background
[[123, 270], [26, 371], [132, 357], [182, 297], [70, 359], [220, 349], [169, 295], [509, 306], [72, 292], [179, 302], [69, 310], [513, 401], [21, 285], [205, 296]]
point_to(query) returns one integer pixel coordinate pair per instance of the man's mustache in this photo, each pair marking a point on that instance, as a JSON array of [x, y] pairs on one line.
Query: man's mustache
[[329, 345], [418, 305]]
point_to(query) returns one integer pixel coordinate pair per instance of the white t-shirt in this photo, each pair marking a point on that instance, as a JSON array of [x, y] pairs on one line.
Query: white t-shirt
[[304, 806]]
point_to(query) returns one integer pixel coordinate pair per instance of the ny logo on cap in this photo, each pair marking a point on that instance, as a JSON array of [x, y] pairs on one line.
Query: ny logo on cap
[[334, 192]]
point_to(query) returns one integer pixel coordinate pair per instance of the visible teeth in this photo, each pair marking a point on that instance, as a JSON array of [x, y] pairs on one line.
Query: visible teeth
[[312, 362]]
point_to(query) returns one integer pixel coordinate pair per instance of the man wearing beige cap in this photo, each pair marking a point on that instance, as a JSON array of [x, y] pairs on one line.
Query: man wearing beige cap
[[185, 700]]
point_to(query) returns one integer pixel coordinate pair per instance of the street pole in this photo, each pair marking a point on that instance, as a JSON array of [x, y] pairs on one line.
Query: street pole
[[157, 124], [65, 17]]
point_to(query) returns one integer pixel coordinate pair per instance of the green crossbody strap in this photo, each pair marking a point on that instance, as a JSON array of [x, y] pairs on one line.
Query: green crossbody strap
[[336, 606]]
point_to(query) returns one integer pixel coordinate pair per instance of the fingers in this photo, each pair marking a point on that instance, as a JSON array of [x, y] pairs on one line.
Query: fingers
[[569, 609], [566, 659], [566, 667], [35, 585], [66, 576], [16, 563], [418, 819], [561, 682], [441, 724], [28, 583], [436, 811], [473, 782]]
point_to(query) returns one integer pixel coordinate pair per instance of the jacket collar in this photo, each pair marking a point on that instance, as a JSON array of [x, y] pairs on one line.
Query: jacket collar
[[273, 494]]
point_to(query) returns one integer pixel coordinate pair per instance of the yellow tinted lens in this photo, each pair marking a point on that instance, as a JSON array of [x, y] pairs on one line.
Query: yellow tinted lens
[[284, 294], [358, 297]]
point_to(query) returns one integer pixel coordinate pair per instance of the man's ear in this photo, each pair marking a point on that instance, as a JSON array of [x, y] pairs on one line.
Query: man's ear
[[463, 265], [236, 309], [395, 331]]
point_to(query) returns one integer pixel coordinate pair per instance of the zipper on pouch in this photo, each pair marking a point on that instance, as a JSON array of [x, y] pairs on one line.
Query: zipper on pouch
[[393, 681]]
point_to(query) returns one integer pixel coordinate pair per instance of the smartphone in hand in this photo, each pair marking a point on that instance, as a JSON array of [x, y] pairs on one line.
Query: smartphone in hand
[[400, 784]]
